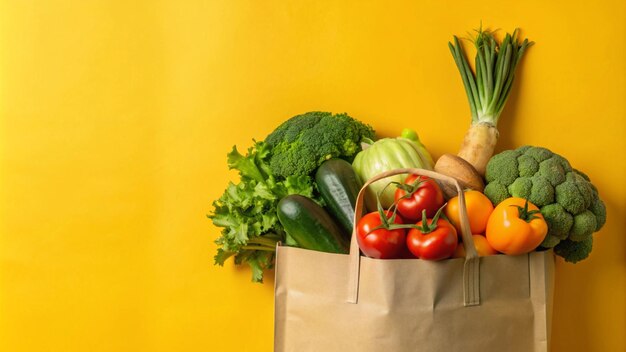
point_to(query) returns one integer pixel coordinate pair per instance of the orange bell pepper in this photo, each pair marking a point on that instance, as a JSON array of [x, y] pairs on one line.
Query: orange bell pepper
[[516, 226]]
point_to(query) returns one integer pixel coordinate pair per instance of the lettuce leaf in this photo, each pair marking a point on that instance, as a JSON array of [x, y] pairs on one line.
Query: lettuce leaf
[[246, 211]]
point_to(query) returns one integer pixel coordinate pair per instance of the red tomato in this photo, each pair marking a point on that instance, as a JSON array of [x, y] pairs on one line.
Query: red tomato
[[419, 193], [433, 241], [380, 243]]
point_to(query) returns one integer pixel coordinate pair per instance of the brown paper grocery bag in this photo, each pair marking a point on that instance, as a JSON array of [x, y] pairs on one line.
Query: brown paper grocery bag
[[333, 302]]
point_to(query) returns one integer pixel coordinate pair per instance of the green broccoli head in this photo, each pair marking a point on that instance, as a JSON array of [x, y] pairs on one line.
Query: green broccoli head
[[302, 143], [527, 165], [503, 168], [568, 200], [521, 187], [574, 252], [538, 153], [541, 192], [584, 225], [599, 210], [575, 194], [552, 170], [550, 241], [559, 221], [496, 192]]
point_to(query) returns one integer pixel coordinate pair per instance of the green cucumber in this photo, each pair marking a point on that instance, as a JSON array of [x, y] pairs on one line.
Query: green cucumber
[[310, 225], [339, 186]]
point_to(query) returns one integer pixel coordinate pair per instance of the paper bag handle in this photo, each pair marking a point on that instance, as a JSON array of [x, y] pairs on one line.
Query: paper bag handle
[[471, 278]]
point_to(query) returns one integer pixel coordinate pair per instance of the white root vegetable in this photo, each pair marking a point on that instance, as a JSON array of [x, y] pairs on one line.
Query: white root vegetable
[[487, 87]]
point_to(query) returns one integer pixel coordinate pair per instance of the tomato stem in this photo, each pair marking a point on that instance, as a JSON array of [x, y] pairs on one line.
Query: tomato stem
[[525, 214], [410, 189], [432, 226], [388, 223]]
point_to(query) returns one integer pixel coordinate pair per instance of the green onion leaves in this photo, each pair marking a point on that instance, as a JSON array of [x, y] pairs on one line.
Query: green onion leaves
[[488, 87]]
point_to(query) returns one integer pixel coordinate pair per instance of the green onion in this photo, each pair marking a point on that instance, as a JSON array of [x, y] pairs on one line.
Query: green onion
[[488, 87]]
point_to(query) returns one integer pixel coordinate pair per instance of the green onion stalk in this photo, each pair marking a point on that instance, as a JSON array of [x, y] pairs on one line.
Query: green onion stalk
[[488, 87]]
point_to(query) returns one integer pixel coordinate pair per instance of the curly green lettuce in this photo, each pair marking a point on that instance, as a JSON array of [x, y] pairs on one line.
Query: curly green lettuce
[[246, 211]]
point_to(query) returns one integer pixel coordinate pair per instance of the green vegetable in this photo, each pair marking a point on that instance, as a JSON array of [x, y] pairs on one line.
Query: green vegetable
[[304, 142], [568, 200], [421, 149], [339, 186], [574, 252], [247, 210], [388, 154], [271, 170], [487, 88], [310, 225]]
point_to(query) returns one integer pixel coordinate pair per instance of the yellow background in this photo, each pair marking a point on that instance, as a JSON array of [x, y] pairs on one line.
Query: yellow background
[[116, 117]]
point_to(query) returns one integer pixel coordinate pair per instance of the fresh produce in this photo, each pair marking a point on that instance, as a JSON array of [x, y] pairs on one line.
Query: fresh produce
[[574, 251], [281, 165], [310, 225], [339, 186], [304, 142], [478, 208], [461, 170], [416, 194], [432, 239], [487, 87], [515, 227], [247, 210], [299, 185], [411, 135], [376, 238], [388, 154], [568, 200], [483, 248]]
